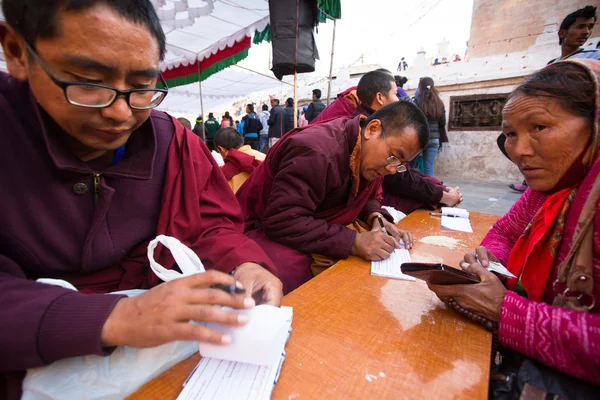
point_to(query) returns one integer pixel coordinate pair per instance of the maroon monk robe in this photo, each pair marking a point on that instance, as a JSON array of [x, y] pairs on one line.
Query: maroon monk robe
[[406, 191], [194, 210], [298, 201], [51, 227], [237, 162]]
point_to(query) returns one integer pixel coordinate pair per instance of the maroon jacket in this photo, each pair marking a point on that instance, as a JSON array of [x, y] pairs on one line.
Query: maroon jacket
[[304, 194], [407, 191], [51, 226]]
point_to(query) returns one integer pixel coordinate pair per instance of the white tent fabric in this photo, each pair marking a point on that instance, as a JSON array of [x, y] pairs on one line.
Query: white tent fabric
[[197, 29], [219, 91]]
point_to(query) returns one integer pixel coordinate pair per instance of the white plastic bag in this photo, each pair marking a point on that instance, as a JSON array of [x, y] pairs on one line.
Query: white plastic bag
[[127, 368], [96, 377]]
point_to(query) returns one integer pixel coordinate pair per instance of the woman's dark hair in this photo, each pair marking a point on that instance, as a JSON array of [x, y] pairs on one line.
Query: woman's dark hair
[[35, 19], [566, 82], [400, 80], [428, 100]]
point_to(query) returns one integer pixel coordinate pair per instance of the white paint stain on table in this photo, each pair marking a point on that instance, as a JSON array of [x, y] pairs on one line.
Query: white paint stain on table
[[442, 241]]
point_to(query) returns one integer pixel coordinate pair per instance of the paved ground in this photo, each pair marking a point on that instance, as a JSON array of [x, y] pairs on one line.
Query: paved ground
[[491, 198]]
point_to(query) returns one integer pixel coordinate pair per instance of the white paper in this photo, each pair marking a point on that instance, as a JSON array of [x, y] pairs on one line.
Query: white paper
[[219, 379], [390, 267], [215, 379], [455, 212], [457, 224], [260, 341], [499, 269], [397, 215]]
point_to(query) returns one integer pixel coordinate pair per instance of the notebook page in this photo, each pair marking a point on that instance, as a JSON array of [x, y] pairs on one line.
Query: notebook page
[[390, 267]]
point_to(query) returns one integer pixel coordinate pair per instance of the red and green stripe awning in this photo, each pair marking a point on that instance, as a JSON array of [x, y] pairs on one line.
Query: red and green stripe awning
[[231, 55], [184, 75]]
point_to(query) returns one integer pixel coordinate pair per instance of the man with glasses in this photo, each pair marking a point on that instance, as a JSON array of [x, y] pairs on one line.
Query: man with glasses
[[91, 173], [298, 202], [405, 192]]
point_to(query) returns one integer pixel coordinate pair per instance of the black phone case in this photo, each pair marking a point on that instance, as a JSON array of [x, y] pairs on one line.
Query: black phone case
[[439, 274]]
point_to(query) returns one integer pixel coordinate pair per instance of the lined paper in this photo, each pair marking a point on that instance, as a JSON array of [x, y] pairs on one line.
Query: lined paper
[[390, 267]]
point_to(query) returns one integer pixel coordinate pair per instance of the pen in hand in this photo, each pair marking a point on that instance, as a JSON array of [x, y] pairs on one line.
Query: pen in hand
[[231, 289], [382, 226]]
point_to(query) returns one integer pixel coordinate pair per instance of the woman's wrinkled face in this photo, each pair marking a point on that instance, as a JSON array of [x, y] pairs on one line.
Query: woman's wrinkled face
[[544, 139]]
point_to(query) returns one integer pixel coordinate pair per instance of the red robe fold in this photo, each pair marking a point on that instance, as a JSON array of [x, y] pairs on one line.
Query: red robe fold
[[298, 201], [197, 208]]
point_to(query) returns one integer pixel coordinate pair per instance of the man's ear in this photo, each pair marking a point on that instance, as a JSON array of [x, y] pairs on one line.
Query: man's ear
[[222, 150], [562, 33], [373, 129], [15, 52]]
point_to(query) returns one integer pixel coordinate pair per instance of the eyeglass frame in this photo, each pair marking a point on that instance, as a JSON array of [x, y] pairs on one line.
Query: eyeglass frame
[[64, 85], [392, 159]]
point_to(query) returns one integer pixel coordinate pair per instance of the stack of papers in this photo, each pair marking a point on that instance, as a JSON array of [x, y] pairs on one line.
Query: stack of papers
[[247, 368], [390, 267], [456, 219]]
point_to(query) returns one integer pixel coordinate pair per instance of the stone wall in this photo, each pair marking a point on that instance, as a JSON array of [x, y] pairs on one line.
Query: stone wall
[[474, 155], [500, 27]]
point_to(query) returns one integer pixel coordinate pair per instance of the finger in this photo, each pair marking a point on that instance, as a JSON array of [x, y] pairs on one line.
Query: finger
[[208, 313], [219, 297], [483, 273], [482, 254], [192, 332], [470, 258], [394, 231], [205, 279], [272, 295], [445, 291], [383, 254], [387, 243], [407, 239]]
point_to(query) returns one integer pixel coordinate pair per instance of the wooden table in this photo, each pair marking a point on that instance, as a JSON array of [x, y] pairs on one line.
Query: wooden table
[[357, 336]]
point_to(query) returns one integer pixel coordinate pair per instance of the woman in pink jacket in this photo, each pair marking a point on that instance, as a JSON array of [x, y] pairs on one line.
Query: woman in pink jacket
[[550, 239]]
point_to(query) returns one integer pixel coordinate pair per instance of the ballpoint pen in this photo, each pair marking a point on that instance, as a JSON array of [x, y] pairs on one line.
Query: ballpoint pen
[[232, 289], [382, 226]]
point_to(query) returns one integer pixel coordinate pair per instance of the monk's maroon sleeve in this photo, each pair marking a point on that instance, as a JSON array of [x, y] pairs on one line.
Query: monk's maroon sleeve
[[44, 323], [299, 187], [222, 244], [374, 204]]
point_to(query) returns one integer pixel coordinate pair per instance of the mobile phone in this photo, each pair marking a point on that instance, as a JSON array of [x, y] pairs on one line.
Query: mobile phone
[[439, 274]]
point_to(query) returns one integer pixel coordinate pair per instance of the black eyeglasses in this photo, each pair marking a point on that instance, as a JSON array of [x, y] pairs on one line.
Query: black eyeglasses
[[93, 95], [392, 160]]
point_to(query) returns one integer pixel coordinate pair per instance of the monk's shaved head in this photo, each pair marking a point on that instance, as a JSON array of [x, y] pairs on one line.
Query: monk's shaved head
[[398, 116]]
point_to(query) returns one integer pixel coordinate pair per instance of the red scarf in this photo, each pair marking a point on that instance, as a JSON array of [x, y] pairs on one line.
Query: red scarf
[[532, 257]]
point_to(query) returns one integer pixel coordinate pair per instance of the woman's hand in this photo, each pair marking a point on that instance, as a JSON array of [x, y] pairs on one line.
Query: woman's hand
[[481, 253], [484, 298]]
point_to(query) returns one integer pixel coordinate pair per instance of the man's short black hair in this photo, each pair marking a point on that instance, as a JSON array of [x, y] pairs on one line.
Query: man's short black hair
[[372, 83], [317, 93], [265, 107], [585, 12], [35, 19], [211, 115], [400, 115], [250, 107], [228, 138]]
